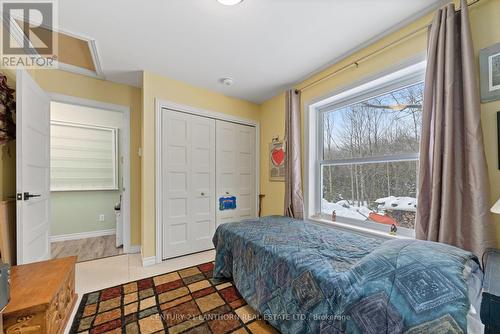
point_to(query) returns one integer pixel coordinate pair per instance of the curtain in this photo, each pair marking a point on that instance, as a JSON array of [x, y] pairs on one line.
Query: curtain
[[7, 108], [294, 203], [453, 199]]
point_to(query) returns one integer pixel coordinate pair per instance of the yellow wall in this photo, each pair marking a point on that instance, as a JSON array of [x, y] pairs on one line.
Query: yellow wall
[[485, 30], [8, 170], [272, 124], [55, 81], [155, 86]]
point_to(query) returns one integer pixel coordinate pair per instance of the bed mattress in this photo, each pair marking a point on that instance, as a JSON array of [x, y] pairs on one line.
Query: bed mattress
[[307, 278]]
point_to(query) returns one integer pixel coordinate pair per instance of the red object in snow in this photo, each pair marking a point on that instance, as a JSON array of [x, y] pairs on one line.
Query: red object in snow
[[382, 219]]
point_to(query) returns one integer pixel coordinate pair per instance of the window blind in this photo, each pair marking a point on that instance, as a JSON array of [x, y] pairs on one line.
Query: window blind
[[83, 157]]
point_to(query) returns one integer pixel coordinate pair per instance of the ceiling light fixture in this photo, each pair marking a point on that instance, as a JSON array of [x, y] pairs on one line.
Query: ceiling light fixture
[[229, 2]]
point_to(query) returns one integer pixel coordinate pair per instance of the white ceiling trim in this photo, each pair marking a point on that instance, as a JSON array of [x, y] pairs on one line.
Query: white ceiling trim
[[94, 53], [19, 35]]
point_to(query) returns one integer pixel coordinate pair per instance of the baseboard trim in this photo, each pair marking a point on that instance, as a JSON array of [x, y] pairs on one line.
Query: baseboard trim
[[148, 261], [81, 235], [134, 249]]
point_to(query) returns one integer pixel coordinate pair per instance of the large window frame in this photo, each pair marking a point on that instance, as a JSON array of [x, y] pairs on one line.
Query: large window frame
[[398, 78]]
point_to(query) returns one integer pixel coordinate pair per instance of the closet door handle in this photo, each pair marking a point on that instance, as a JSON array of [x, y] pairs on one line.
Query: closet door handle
[[202, 194]]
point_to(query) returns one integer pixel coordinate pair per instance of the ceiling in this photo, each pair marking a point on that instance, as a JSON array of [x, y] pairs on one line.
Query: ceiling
[[264, 45]]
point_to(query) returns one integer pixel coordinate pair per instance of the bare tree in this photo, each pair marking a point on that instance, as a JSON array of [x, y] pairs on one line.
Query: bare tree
[[383, 125]]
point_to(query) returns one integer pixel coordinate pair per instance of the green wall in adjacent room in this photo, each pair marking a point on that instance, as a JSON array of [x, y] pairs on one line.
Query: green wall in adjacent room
[[77, 212]]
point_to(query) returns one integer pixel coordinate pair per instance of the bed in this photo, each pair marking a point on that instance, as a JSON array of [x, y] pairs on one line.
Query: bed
[[303, 277]]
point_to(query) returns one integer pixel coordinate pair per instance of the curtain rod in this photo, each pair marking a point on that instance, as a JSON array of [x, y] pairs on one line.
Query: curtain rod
[[371, 54]]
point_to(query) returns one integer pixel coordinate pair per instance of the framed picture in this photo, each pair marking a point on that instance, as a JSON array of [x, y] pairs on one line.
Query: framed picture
[[276, 161], [489, 62]]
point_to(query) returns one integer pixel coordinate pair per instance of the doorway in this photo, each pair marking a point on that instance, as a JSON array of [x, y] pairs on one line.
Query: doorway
[[89, 159], [73, 172]]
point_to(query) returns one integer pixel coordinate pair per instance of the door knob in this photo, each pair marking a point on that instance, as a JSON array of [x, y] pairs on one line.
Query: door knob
[[202, 194], [27, 196]]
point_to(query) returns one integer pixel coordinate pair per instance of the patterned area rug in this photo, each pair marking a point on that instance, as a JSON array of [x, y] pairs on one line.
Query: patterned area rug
[[188, 301]]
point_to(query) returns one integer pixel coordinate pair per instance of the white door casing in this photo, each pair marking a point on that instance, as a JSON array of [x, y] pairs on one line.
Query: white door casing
[[160, 174], [125, 159], [188, 183], [236, 170], [32, 170]]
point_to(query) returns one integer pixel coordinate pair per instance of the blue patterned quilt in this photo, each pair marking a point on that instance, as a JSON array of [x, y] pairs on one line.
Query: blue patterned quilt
[[307, 278]]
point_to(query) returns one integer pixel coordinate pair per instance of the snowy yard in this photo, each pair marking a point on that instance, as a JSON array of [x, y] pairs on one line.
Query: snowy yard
[[351, 210]]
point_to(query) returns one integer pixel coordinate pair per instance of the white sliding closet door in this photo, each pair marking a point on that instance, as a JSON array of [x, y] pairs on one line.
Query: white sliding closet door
[[188, 153], [236, 170]]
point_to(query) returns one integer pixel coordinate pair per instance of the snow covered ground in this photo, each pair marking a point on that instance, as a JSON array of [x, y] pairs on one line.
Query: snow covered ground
[[397, 203], [345, 209]]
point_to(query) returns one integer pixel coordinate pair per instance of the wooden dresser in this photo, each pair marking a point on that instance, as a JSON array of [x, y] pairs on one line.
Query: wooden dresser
[[42, 297]]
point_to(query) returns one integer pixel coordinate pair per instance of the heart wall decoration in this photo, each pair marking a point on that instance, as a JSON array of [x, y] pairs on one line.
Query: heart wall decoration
[[276, 161], [278, 156]]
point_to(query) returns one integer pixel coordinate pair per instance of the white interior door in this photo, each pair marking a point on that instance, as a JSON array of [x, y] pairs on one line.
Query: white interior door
[[188, 189], [236, 170], [33, 170]]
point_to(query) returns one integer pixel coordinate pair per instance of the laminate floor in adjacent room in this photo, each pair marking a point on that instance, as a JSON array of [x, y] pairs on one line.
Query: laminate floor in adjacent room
[[86, 249]]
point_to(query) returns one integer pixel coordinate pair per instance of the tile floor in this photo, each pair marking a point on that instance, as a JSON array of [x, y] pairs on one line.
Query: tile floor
[[103, 273]]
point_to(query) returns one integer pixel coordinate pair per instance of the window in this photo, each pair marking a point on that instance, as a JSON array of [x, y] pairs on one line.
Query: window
[[367, 157], [82, 157]]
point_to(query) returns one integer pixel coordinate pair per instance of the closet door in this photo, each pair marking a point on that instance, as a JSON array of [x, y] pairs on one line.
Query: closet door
[[236, 170], [188, 189], [227, 180], [245, 172]]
